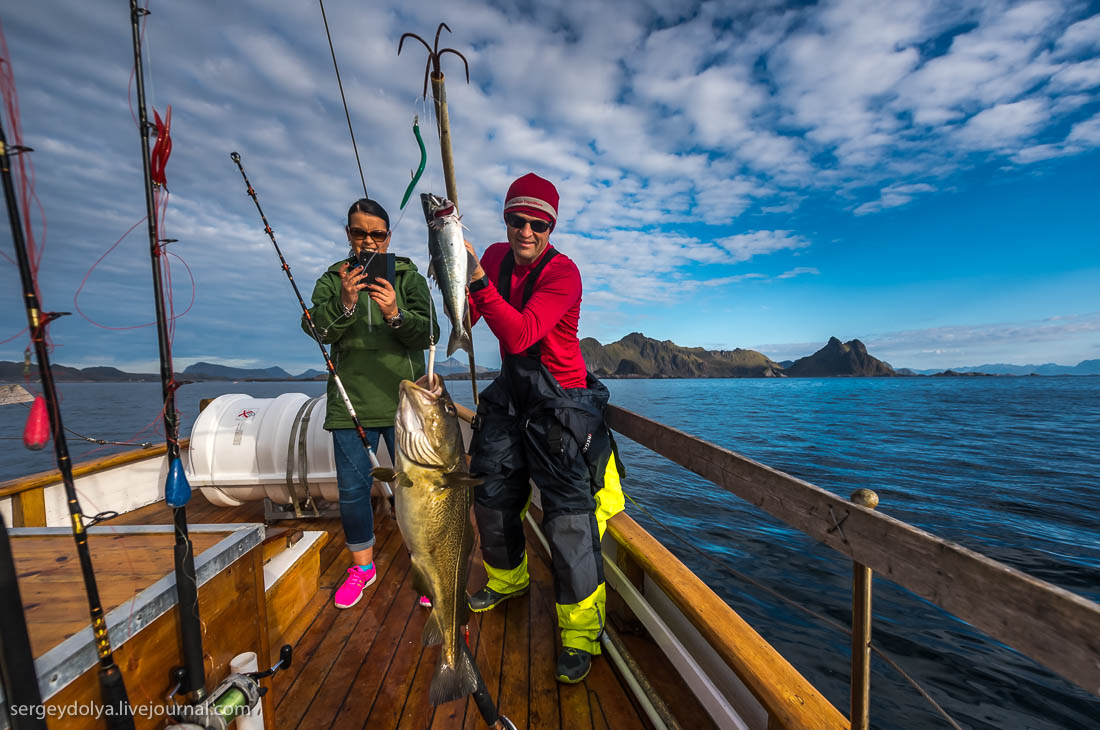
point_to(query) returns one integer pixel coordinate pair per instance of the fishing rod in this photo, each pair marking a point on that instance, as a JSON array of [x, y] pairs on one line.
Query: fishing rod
[[21, 669], [17, 673], [177, 492], [308, 317]]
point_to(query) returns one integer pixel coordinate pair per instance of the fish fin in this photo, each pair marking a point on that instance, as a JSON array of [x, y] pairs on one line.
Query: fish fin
[[460, 340], [431, 270], [454, 681], [433, 632], [419, 579], [383, 474], [461, 479]]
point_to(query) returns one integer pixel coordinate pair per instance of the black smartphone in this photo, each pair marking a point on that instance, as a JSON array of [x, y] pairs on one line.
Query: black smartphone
[[377, 265]]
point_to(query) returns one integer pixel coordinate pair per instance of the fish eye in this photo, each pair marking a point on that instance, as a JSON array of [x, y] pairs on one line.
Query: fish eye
[[450, 408]]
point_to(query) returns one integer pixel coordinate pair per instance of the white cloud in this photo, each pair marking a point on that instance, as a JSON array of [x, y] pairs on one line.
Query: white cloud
[[799, 271], [967, 345], [1086, 133], [744, 246], [1081, 37], [1005, 125], [893, 196], [1077, 76], [654, 119]]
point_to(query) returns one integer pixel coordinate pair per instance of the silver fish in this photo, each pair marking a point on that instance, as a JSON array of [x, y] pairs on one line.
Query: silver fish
[[451, 267], [432, 501]]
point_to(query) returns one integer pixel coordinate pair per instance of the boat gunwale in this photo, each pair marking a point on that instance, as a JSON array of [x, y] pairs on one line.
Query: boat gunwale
[[50, 477]]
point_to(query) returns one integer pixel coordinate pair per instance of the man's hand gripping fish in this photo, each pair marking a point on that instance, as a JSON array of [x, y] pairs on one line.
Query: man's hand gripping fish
[[432, 500]]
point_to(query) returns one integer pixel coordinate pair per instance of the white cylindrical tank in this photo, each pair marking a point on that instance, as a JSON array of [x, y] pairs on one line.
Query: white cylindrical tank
[[244, 449]]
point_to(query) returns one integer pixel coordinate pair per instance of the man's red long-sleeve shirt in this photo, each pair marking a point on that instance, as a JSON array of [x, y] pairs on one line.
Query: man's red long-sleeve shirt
[[550, 316]]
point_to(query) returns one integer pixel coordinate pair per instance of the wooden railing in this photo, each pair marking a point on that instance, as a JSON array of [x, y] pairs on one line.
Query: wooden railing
[[788, 697], [1053, 626], [28, 500]]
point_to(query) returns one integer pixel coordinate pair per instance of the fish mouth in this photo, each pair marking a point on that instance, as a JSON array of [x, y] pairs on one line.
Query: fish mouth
[[415, 401], [423, 390]]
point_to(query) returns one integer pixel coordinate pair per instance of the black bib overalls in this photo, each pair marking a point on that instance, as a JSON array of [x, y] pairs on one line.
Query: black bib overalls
[[530, 429]]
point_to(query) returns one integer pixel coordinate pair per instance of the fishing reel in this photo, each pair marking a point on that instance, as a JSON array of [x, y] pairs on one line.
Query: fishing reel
[[234, 698]]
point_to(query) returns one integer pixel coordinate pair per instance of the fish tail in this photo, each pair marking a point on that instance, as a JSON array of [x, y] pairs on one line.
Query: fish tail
[[454, 681], [460, 339]]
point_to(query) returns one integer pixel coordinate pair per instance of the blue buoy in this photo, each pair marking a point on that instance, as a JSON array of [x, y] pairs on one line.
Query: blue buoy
[[177, 492]]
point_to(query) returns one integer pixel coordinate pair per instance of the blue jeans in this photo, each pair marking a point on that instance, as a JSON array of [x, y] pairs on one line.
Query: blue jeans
[[353, 479]]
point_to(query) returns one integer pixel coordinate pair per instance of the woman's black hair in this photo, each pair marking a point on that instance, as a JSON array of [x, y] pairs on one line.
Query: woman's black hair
[[369, 207]]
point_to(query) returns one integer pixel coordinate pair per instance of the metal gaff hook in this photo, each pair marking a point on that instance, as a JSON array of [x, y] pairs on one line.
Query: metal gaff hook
[[434, 55]]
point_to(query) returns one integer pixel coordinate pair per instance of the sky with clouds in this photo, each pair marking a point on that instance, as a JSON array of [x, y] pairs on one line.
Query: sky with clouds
[[918, 175]]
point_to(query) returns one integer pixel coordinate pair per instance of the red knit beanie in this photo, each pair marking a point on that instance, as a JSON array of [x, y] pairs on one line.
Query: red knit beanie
[[534, 196]]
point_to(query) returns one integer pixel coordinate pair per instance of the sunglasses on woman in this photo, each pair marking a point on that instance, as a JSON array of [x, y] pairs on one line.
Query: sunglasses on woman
[[537, 226], [359, 235]]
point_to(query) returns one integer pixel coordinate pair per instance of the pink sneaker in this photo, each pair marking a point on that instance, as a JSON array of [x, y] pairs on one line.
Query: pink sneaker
[[425, 602], [349, 593]]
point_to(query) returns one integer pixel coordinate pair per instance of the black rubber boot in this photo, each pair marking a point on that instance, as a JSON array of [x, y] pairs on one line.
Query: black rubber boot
[[487, 598], [573, 665]]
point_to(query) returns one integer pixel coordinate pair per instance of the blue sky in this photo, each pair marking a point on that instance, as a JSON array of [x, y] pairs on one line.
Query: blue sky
[[918, 175]]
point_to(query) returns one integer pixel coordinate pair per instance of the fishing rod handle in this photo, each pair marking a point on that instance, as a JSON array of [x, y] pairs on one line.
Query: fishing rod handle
[[113, 690]]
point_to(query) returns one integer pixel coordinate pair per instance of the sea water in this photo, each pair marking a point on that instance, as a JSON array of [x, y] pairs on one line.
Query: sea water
[[1005, 466]]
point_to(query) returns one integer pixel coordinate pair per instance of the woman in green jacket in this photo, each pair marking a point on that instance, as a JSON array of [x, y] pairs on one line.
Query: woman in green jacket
[[378, 334]]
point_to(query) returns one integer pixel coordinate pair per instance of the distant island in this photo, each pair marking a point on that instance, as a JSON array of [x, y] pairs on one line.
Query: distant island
[[633, 356], [200, 372]]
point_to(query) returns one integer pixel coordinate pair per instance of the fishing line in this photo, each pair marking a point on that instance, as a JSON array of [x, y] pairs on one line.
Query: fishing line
[[84, 282], [343, 98], [795, 604], [101, 442]]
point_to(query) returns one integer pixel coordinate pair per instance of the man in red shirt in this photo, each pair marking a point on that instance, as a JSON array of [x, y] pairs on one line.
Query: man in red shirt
[[541, 420]]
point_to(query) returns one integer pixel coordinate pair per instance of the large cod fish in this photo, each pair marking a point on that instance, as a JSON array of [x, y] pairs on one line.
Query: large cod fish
[[451, 267], [432, 496]]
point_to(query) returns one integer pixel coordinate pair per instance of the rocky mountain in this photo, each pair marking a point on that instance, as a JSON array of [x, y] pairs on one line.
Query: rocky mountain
[[211, 371], [12, 372], [454, 366], [839, 358], [639, 356]]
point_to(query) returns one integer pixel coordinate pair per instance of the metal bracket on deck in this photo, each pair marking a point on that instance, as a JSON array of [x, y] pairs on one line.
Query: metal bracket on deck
[[296, 457], [274, 511]]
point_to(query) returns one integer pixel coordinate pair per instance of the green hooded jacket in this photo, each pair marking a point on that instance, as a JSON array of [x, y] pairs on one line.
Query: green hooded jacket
[[371, 357]]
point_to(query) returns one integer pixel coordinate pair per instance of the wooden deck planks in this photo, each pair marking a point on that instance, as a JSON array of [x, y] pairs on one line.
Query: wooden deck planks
[[489, 651], [515, 668], [311, 691], [372, 674], [395, 690], [125, 565], [365, 666], [544, 704]]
